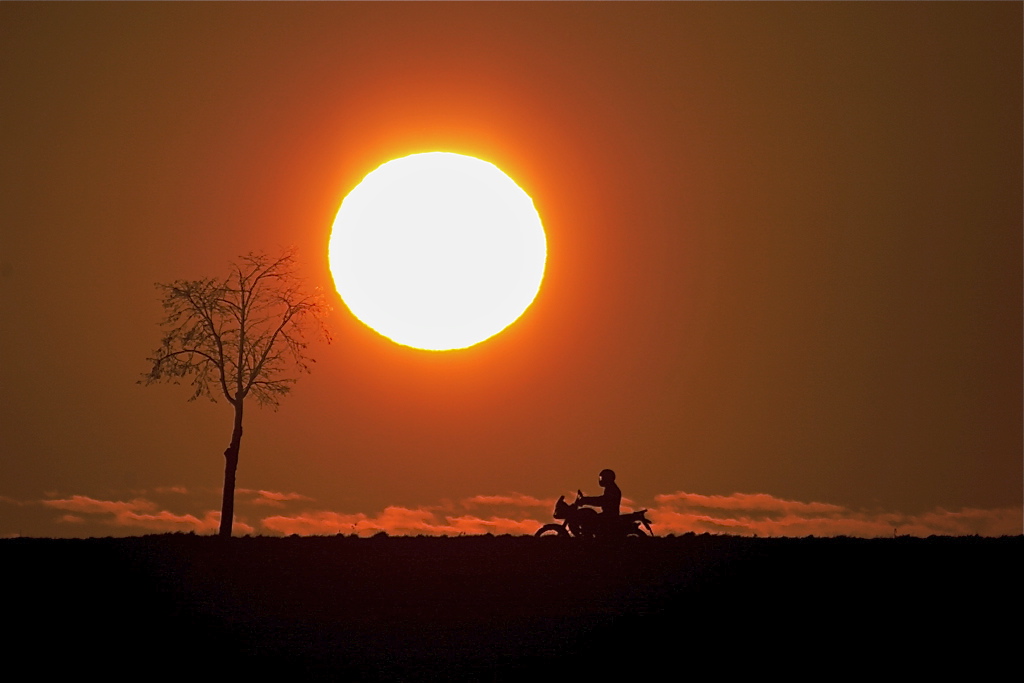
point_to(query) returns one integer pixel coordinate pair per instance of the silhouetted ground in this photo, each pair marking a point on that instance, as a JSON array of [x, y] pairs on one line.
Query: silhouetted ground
[[511, 608]]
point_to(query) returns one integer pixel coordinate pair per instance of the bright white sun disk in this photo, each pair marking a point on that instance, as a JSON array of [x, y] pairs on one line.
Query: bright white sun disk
[[438, 251]]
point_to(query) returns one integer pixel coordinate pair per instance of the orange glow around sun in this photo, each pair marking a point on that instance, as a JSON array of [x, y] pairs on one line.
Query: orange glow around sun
[[437, 251]]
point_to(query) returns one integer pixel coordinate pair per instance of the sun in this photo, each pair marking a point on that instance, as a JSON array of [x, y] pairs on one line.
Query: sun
[[438, 251]]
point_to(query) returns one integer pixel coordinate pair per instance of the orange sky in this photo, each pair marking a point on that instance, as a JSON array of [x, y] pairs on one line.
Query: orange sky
[[784, 286]]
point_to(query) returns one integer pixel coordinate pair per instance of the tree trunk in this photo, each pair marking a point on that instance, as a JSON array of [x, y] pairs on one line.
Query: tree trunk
[[227, 509]]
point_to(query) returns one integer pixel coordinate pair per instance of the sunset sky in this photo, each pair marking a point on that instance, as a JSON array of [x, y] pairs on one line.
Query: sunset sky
[[783, 291]]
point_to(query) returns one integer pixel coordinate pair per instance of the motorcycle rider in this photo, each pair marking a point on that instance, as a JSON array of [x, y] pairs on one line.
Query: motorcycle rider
[[608, 501]]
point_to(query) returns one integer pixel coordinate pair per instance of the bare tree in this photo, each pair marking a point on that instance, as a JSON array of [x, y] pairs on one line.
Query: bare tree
[[242, 335]]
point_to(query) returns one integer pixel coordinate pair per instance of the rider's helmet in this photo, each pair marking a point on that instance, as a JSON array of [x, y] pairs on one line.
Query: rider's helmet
[[606, 475]]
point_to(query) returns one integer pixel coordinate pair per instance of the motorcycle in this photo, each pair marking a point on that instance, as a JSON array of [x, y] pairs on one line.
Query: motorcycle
[[584, 522]]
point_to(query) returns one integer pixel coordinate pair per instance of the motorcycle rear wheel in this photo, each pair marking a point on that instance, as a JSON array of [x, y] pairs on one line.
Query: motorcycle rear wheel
[[552, 531]]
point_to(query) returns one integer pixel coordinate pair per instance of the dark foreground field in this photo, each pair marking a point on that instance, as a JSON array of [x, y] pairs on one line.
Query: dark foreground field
[[510, 608]]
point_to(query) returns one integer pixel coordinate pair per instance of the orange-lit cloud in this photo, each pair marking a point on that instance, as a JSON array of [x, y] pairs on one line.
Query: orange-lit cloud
[[172, 489], [751, 502], [495, 525], [85, 504], [271, 498], [515, 499], [138, 513], [508, 515], [394, 520], [765, 515]]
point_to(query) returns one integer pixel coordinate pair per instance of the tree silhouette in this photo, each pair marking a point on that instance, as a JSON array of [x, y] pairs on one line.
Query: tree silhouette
[[242, 335]]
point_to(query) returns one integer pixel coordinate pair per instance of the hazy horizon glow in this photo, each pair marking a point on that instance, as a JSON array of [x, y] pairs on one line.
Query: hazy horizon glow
[[273, 513]]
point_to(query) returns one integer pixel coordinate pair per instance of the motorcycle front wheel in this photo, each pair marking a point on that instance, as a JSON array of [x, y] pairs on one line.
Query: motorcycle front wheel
[[552, 531]]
